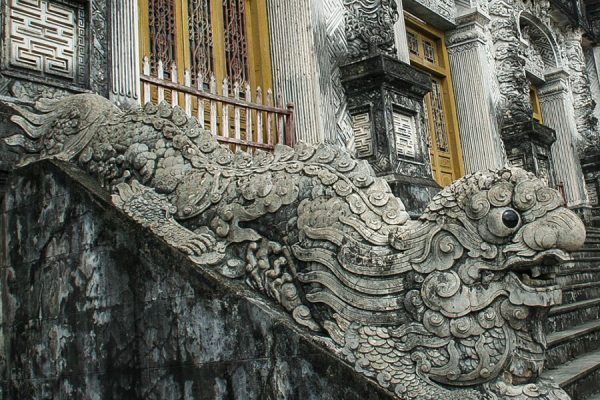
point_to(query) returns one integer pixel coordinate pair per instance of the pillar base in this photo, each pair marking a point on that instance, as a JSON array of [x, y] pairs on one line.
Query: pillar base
[[528, 146], [385, 100]]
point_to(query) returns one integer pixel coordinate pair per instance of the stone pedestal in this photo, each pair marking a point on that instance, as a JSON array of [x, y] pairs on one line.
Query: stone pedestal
[[471, 75], [557, 109], [124, 53], [528, 146], [385, 99]]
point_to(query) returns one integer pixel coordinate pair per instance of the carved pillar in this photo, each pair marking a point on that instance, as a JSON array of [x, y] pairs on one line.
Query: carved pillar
[[579, 80], [594, 73], [558, 112], [385, 99], [400, 36], [471, 75], [296, 65], [125, 56]]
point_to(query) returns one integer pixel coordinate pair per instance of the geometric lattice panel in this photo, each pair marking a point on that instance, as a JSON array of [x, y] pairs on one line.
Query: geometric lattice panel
[[406, 134], [592, 193], [48, 38], [363, 138]]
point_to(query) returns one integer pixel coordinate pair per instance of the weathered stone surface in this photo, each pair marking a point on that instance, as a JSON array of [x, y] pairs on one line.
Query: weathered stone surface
[[96, 307], [447, 306], [370, 27]]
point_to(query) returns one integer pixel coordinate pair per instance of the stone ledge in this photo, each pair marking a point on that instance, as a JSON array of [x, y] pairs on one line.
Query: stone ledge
[[579, 305], [557, 338], [576, 369]]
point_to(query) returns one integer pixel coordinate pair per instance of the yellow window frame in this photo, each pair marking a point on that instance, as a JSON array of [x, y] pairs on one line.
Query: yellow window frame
[[536, 108], [257, 34]]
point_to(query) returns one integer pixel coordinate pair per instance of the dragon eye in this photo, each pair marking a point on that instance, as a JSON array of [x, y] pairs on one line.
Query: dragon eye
[[499, 224], [510, 218]]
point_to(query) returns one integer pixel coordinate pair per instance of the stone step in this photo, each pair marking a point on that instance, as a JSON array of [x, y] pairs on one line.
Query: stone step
[[589, 260], [579, 376], [592, 241], [571, 343], [580, 291], [569, 315], [586, 251], [583, 274]]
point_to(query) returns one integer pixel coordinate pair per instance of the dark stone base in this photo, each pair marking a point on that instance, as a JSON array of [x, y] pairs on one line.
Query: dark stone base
[[415, 192], [528, 146], [590, 165], [95, 306]]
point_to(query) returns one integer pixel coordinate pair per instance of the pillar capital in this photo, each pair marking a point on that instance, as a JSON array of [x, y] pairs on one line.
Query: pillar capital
[[470, 30], [556, 83]]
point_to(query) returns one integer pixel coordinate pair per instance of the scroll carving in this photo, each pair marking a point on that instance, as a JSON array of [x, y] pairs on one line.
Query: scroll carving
[[370, 27]]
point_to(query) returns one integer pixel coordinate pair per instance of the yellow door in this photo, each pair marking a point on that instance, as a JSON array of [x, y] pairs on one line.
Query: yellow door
[[428, 52]]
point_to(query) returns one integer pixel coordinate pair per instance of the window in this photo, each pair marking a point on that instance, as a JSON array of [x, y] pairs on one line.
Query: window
[[428, 52], [220, 38], [534, 97]]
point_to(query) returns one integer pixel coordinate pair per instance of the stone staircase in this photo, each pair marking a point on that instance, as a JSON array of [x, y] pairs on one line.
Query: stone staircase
[[574, 327]]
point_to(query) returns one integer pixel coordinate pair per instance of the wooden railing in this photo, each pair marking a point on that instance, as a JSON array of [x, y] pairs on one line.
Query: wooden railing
[[233, 115]]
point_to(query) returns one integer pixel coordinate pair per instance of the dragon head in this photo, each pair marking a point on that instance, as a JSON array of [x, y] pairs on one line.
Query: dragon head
[[490, 246]]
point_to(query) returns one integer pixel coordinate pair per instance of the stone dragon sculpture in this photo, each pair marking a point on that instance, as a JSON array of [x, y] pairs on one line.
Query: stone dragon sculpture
[[448, 306]]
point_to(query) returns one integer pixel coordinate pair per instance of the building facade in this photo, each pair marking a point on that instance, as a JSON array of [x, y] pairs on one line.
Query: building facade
[[425, 90]]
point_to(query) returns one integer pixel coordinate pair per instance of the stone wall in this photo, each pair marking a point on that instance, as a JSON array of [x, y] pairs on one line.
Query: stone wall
[[94, 306]]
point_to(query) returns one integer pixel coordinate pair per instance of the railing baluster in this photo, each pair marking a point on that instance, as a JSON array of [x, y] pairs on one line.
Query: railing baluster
[[270, 117], [249, 136], [259, 117], [280, 120], [225, 116], [161, 90], [174, 93], [147, 94], [237, 114], [188, 97], [200, 85], [213, 106], [259, 111], [289, 125]]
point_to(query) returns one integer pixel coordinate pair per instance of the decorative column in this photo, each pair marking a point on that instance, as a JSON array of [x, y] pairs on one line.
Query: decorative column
[[124, 57], [471, 75], [558, 112], [590, 159], [385, 100], [402, 51], [296, 66], [579, 84]]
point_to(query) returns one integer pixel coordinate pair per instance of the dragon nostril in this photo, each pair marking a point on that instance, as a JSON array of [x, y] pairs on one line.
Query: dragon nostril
[[510, 218]]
